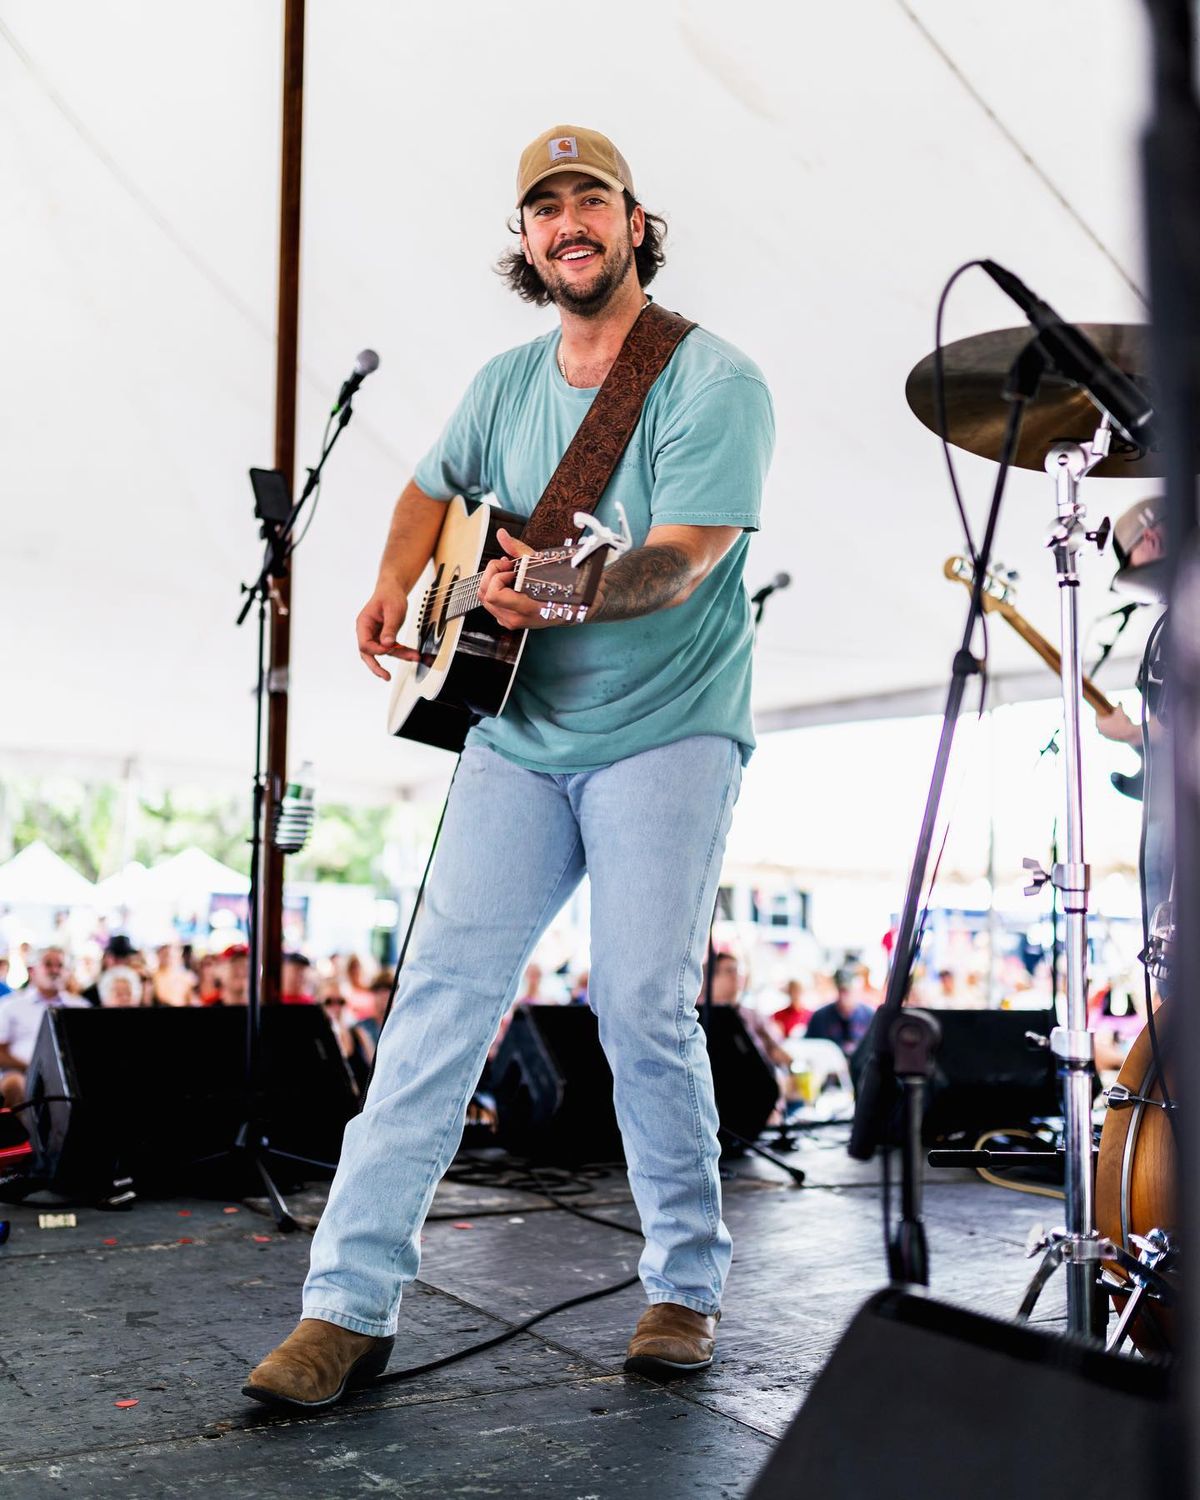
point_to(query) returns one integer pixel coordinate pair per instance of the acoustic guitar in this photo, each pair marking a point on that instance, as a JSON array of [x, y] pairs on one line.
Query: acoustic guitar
[[998, 595], [468, 661]]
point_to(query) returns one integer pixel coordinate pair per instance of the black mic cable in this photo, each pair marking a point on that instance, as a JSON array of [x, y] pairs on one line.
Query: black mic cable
[[1126, 613]]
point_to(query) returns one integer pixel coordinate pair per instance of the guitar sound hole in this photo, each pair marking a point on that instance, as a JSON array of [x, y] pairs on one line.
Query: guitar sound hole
[[432, 623], [445, 609]]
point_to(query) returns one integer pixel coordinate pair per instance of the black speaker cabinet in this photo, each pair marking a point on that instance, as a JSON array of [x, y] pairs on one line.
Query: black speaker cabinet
[[554, 1088], [744, 1081], [921, 1401], [152, 1091], [988, 1074]]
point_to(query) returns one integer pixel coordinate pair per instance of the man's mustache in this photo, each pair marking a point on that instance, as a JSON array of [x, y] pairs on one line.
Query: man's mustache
[[577, 245]]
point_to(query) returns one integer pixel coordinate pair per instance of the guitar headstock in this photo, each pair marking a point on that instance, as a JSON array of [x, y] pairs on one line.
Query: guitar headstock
[[999, 587], [564, 589]]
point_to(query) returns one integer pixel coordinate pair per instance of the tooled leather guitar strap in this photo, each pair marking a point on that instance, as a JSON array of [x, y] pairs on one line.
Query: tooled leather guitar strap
[[586, 467]]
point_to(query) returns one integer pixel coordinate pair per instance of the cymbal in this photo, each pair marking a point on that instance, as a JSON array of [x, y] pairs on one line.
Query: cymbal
[[976, 369]]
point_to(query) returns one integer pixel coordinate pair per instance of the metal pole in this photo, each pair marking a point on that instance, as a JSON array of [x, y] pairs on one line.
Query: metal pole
[[1073, 1045], [286, 360]]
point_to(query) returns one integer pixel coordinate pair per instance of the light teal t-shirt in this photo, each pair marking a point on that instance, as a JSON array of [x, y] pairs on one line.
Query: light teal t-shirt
[[590, 694]]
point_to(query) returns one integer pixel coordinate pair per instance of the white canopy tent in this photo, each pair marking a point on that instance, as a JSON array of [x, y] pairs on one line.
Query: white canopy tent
[[823, 170], [38, 877], [190, 878]]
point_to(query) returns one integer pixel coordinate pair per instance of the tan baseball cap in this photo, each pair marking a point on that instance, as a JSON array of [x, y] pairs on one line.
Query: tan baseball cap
[[571, 148]]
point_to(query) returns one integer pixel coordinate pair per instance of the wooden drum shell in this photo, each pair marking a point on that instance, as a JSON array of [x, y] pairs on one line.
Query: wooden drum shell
[[1136, 1178]]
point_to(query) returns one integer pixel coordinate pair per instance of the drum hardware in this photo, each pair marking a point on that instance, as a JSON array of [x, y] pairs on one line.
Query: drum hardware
[[1120, 1097], [1145, 1272], [1076, 1246], [1060, 435], [1135, 1198], [1157, 1254]]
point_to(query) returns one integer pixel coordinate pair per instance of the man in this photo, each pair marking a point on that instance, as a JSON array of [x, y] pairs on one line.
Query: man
[[619, 753], [21, 1019], [795, 1015], [233, 975], [728, 985], [1139, 539], [846, 1018], [296, 986], [171, 983], [1140, 544]]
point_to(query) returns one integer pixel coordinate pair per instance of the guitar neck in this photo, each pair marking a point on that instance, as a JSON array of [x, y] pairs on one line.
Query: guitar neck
[[551, 577], [464, 596], [1053, 658]]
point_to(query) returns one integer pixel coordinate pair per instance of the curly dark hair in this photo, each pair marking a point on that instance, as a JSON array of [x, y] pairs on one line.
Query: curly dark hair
[[648, 257]]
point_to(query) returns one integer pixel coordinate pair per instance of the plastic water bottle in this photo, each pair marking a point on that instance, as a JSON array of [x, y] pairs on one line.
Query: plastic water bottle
[[296, 811]]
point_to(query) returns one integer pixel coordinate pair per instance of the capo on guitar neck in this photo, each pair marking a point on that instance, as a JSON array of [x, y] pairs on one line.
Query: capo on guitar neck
[[597, 535]]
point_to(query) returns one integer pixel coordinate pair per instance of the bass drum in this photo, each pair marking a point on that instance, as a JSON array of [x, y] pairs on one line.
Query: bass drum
[[1136, 1181]]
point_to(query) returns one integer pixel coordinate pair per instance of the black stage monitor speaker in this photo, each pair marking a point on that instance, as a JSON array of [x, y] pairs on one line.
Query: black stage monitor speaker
[[921, 1401], [988, 1074], [743, 1080], [553, 1086], [151, 1091]]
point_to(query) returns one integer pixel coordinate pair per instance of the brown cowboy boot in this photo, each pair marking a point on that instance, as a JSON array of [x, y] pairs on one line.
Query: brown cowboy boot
[[317, 1364], [671, 1340]]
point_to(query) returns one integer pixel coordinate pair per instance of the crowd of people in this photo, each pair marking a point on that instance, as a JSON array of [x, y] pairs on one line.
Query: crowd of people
[[354, 995], [833, 1008]]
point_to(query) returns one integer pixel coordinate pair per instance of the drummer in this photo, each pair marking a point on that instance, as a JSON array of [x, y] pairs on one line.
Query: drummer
[[1140, 543], [1139, 540]]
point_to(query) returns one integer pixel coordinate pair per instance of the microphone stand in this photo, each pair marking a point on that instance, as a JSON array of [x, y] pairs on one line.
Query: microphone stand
[[251, 1153], [759, 601], [905, 1041], [275, 533]]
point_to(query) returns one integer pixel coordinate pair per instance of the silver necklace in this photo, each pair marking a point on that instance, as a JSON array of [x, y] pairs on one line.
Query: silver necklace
[[562, 368]]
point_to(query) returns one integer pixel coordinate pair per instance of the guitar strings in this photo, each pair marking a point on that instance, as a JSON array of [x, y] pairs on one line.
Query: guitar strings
[[464, 589]]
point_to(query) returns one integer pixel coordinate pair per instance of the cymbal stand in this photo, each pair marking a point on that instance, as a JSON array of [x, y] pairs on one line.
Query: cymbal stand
[[1077, 1246]]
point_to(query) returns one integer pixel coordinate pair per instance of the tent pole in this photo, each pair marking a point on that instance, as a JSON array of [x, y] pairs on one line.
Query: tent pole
[[286, 358]]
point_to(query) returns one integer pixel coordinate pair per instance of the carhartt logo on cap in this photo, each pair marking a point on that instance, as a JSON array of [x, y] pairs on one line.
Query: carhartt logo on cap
[[564, 146]]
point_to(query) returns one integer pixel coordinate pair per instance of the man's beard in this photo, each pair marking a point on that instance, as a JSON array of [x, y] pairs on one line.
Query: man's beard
[[589, 301]]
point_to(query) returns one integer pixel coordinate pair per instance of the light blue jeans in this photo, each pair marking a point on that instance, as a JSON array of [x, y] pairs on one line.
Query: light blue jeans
[[650, 832]]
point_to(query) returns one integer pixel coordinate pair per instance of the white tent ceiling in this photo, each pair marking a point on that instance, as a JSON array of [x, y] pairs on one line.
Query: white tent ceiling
[[823, 169]]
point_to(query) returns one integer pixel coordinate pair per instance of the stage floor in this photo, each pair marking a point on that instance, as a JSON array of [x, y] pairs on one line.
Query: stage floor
[[169, 1306]]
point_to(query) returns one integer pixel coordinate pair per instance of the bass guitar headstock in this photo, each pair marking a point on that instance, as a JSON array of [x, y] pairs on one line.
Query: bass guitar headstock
[[999, 587], [565, 588]]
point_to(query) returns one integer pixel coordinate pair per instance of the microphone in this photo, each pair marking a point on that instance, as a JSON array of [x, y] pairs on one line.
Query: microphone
[[367, 361], [1077, 358], [780, 581]]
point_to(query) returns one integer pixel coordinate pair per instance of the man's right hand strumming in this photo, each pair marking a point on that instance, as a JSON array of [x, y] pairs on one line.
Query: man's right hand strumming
[[378, 625], [416, 522]]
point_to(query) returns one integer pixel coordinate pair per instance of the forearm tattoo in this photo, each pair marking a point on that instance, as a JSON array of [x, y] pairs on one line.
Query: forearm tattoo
[[642, 581]]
